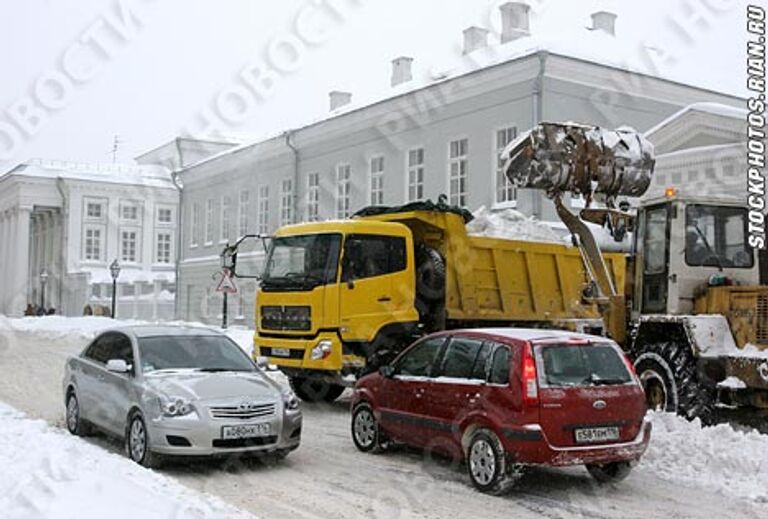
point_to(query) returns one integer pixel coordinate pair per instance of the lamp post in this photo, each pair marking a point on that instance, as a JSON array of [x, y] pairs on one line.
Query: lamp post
[[114, 270], [43, 282], [226, 268]]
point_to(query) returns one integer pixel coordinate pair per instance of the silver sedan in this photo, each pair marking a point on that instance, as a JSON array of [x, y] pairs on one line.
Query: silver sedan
[[173, 391]]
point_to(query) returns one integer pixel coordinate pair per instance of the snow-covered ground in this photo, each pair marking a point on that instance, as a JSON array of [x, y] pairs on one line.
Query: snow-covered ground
[[688, 471], [47, 473]]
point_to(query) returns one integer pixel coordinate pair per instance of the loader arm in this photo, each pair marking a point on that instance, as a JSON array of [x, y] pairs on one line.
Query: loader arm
[[595, 163]]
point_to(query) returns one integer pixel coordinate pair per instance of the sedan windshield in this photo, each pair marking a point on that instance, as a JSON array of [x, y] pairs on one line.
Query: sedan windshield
[[572, 365], [204, 353], [302, 261]]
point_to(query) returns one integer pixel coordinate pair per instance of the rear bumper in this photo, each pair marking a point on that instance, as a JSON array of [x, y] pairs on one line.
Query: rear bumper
[[531, 446]]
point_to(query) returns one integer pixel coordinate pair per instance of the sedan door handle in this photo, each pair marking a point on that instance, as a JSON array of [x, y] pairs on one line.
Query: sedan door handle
[[384, 299]]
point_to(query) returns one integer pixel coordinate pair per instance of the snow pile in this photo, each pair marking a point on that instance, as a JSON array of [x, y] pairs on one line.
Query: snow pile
[[716, 458], [63, 477], [512, 225]]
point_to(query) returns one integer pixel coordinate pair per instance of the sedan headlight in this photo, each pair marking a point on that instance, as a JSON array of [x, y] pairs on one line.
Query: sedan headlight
[[291, 401], [175, 406]]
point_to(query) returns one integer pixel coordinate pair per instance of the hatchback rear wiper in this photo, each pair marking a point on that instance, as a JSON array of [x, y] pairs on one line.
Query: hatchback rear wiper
[[597, 381]]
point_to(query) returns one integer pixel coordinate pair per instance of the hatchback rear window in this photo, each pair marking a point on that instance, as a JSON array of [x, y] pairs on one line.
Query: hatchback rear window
[[576, 365]]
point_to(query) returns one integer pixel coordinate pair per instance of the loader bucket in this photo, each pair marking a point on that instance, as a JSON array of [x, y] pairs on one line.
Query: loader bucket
[[586, 160]]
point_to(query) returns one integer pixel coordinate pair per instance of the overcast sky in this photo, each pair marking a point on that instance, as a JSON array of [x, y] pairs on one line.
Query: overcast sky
[[74, 81]]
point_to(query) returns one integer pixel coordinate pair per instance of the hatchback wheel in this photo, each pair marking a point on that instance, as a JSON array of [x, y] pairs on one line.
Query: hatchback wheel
[[366, 433], [75, 424], [489, 466], [610, 472], [137, 443]]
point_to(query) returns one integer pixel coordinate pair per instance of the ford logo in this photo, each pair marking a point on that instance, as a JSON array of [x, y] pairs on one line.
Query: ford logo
[[599, 404], [762, 370]]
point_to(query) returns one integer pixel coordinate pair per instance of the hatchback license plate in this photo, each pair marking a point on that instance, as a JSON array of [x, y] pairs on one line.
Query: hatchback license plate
[[597, 434], [280, 352], [238, 432]]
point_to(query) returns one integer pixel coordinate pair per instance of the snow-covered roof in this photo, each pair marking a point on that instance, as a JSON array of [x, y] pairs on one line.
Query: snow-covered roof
[[718, 109], [148, 176], [594, 46]]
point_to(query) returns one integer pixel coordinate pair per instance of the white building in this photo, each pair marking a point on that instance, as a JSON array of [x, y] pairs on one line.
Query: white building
[[71, 220]]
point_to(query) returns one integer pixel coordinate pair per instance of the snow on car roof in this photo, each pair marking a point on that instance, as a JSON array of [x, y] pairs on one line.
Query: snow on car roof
[[141, 330], [532, 334]]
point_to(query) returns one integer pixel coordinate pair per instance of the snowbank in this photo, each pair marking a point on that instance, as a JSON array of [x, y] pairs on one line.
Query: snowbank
[[512, 225], [716, 458], [63, 476]]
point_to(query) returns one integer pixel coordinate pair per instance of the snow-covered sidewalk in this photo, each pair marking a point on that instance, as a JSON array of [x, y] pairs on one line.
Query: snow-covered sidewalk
[[46, 473]]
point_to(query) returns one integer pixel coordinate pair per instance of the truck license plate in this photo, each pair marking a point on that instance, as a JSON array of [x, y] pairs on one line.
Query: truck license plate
[[237, 432], [597, 434], [280, 352]]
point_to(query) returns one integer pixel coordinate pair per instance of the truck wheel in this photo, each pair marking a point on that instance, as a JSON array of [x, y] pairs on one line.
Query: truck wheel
[[668, 374], [430, 274], [315, 390], [610, 472]]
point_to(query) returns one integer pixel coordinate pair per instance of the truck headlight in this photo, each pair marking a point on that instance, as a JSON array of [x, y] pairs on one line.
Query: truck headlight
[[175, 406], [322, 350]]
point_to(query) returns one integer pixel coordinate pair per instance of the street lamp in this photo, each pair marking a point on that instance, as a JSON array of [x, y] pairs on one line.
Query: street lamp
[[114, 270], [43, 281]]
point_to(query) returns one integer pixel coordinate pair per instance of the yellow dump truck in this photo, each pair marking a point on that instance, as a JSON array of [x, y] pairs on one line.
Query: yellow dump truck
[[338, 297]]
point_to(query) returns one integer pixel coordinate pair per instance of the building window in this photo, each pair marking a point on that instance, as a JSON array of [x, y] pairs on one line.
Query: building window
[[377, 181], [416, 174], [92, 247], [95, 209], [224, 221], [313, 197], [129, 211], [194, 225], [163, 246], [164, 215], [458, 151], [505, 191], [343, 190], [263, 220], [128, 241], [209, 221], [242, 213], [286, 202]]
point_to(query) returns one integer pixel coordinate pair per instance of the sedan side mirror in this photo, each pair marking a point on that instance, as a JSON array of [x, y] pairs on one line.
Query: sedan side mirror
[[118, 366], [387, 371]]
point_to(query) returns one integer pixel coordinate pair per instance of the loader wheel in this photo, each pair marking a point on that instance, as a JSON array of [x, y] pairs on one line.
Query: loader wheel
[[668, 373], [430, 274]]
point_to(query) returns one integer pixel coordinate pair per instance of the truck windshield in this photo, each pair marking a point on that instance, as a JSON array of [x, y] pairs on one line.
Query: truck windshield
[[302, 261], [715, 236], [589, 365]]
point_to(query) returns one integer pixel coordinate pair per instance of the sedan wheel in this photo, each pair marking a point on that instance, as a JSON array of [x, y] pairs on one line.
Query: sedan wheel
[[137, 443], [366, 433], [75, 425]]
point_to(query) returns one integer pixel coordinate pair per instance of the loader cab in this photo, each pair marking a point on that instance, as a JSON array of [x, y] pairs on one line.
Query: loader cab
[[683, 245]]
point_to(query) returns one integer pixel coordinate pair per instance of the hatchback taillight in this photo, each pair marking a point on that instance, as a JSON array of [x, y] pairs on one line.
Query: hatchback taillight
[[530, 382], [630, 366]]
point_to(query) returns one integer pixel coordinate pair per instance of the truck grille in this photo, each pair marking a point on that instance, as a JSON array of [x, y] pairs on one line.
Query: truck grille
[[291, 318], [242, 412], [762, 319]]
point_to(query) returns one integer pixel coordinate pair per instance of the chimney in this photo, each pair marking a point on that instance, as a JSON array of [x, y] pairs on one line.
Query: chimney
[[339, 99], [401, 70], [604, 21], [514, 21], [475, 38]]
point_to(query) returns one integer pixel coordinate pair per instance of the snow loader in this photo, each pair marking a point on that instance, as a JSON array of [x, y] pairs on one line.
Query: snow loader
[[692, 315]]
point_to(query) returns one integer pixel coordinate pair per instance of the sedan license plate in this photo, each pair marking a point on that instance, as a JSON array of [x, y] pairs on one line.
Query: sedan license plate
[[597, 434], [281, 352], [238, 432]]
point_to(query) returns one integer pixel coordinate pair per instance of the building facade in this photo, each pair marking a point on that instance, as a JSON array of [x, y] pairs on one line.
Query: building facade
[[62, 224], [419, 141]]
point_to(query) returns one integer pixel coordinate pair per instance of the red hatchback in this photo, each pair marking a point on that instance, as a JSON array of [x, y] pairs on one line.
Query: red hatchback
[[506, 398]]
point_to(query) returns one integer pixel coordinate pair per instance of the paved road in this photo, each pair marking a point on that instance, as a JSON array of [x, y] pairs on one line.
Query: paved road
[[328, 477]]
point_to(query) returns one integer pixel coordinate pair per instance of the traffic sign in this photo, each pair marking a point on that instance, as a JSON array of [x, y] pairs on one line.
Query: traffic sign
[[226, 283]]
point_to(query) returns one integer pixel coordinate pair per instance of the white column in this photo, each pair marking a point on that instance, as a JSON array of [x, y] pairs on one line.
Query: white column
[[20, 265], [4, 243]]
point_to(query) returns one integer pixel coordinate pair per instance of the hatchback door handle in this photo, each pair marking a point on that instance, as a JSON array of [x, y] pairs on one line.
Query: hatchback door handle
[[384, 299]]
